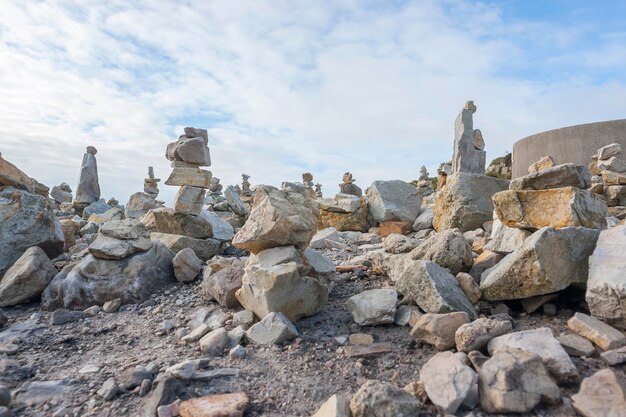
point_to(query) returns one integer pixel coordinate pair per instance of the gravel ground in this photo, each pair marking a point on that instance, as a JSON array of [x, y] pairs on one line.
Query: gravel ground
[[291, 380]]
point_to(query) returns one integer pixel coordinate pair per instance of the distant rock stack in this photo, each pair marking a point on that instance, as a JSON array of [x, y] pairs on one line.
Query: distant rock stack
[[188, 154], [151, 184], [469, 155], [88, 189], [424, 186], [349, 187]]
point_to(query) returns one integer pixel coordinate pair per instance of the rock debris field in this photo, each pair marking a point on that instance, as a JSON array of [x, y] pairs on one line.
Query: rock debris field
[[464, 294]]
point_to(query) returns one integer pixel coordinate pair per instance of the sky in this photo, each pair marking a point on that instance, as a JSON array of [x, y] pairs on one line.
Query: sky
[[286, 87]]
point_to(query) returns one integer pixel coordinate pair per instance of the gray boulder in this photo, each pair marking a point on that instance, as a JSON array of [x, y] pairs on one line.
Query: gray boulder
[[139, 204], [223, 285], [564, 175], [448, 249], [433, 288], [27, 278], [27, 220], [234, 201], [424, 220], [88, 189], [548, 261], [379, 399], [222, 230], [119, 239], [274, 328], [187, 265], [393, 201], [95, 281], [373, 307]]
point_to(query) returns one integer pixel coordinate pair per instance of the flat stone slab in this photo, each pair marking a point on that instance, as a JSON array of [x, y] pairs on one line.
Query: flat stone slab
[[600, 333]]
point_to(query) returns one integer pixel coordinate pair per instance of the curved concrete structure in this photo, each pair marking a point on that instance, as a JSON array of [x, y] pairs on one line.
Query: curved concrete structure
[[568, 144]]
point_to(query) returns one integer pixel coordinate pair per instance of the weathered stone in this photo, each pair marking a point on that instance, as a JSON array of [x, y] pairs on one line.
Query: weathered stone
[[612, 164], [341, 203], [469, 286], [476, 335], [545, 162], [515, 381], [321, 265], [612, 357], [165, 220], [606, 287], [222, 230], [613, 178], [431, 287], [439, 329], [194, 177], [88, 189], [541, 342], [187, 265], [139, 204], [378, 399], [26, 220], [69, 232], [243, 319], [278, 218], [373, 307], [407, 315], [336, 406], [609, 150], [97, 207], [389, 228], [448, 249], [351, 221], [603, 335], [557, 207], [112, 306], [204, 249], [615, 195], [216, 405], [361, 339], [601, 395], [272, 329], [278, 256], [532, 304], [118, 239], [27, 278], [281, 289], [318, 241], [504, 239], [189, 200], [465, 202], [576, 345], [395, 243], [393, 201], [234, 201], [467, 156], [564, 175], [222, 285], [449, 381], [12, 176], [483, 262], [214, 342], [548, 261], [193, 150], [61, 316], [60, 193], [424, 220], [94, 281]]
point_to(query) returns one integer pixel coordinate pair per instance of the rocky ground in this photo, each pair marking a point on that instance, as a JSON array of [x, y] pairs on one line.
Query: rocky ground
[[293, 379]]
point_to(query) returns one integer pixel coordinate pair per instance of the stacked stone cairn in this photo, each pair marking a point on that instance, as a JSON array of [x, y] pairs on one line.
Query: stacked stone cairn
[[183, 226], [465, 200], [141, 202], [88, 189], [424, 186], [445, 169], [347, 210], [609, 178], [282, 276]]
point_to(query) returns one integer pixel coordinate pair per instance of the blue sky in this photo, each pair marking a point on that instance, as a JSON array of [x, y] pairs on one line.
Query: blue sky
[[286, 87]]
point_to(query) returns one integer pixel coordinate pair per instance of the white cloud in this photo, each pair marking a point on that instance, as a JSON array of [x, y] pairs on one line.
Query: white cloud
[[284, 87]]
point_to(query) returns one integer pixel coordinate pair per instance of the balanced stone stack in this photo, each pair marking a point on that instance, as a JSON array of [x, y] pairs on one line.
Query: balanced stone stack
[[282, 274], [344, 212], [349, 187], [188, 154], [141, 202], [88, 189], [547, 224], [465, 201], [122, 263], [610, 178], [424, 186], [183, 226], [151, 184]]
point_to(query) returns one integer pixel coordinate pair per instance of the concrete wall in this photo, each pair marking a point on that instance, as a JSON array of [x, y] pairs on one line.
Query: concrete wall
[[568, 144]]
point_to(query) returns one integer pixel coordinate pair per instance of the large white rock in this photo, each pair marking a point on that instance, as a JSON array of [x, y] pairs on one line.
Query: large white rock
[[606, 287], [27, 278], [449, 381], [318, 241], [187, 265], [278, 218], [280, 289], [505, 239], [27, 220], [548, 261], [602, 394], [542, 342], [373, 307], [222, 230], [393, 201], [424, 220], [430, 286]]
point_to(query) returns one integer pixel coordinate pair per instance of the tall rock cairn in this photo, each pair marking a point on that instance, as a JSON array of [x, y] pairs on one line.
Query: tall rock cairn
[[151, 184], [469, 155], [188, 154], [88, 189]]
